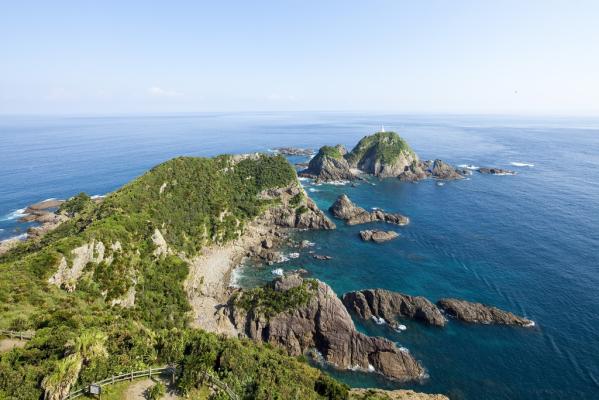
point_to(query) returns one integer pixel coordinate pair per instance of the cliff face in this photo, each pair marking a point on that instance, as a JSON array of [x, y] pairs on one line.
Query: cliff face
[[389, 305], [329, 165], [323, 323]]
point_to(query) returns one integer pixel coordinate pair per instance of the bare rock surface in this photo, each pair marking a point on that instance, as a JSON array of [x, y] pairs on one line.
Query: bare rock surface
[[480, 313], [389, 305], [345, 209], [378, 236], [325, 167], [324, 324], [495, 171]]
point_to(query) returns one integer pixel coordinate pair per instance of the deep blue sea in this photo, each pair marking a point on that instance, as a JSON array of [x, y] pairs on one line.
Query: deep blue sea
[[527, 243]]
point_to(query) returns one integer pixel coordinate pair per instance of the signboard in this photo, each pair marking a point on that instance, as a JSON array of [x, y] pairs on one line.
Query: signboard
[[95, 389]]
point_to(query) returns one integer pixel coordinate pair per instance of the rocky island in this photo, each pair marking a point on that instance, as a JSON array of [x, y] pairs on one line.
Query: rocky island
[[345, 209], [480, 313], [384, 155], [378, 236]]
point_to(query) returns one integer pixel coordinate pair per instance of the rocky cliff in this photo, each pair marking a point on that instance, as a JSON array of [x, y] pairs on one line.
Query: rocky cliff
[[384, 154], [480, 313], [299, 315], [389, 305], [344, 208], [329, 165]]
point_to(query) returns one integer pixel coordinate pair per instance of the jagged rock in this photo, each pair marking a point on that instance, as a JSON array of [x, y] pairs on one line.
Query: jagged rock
[[345, 209], [329, 165], [321, 257], [495, 171], [378, 236], [442, 170], [480, 313], [416, 171], [305, 215], [390, 305], [294, 151], [324, 323], [267, 243]]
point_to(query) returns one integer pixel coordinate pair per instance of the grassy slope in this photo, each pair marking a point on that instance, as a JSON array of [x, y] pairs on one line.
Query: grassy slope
[[203, 201]]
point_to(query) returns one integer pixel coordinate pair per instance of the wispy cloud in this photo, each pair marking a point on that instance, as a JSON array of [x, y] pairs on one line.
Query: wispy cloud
[[156, 91]]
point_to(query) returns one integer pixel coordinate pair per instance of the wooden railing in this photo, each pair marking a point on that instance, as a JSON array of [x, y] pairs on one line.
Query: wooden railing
[[129, 376], [23, 335]]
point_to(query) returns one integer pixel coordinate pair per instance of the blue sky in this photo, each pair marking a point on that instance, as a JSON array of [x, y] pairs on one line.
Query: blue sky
[[517, 57]]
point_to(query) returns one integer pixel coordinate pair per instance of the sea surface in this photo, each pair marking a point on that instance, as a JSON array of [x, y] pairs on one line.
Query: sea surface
[[527, 243]]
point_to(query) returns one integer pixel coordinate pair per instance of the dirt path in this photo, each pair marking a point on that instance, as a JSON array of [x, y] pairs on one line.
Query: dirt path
[[9, 344], [137, 390]]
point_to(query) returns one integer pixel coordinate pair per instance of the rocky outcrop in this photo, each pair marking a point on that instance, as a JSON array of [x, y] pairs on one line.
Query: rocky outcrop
[[480, 313], [401, 394], [296, 210], [384, 154], [345, 209], [389, 305], [67, 276], [323, 323], [441, 170], [294, 151], [329, 165], [495, 171], [378, 236]]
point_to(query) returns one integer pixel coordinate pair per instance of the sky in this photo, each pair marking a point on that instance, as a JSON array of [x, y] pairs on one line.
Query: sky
[[453, 56]]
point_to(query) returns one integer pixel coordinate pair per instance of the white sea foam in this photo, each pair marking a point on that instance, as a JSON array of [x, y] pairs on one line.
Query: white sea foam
[[14, 215], [235, 277], [404, 350], [378, 320], [440, 183], [371, 368], [401, 328], [313, 190], [522, 164], [530, 324], [304, 179], [294, 255], [282, 259], [50, 199], [337, 183], [277, 272], [21, 237], [469, 166]]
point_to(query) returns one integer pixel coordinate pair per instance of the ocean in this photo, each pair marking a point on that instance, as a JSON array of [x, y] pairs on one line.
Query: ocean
[[527, 243]]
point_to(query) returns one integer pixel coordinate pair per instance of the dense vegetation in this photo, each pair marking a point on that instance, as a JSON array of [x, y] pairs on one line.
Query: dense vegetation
[[268, 302], [383, 146], [84, 335], [330, 151]]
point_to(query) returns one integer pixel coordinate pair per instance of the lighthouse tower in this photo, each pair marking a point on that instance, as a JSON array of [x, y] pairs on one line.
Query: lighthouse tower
[[382, 128]]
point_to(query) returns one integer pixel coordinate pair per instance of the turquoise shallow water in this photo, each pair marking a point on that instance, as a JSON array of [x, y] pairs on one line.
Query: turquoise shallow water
[[527, 243]]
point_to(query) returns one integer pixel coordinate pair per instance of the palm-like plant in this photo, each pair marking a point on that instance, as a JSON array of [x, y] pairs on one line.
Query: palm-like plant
[[58, 384], [87, 346]]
